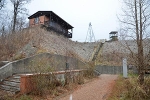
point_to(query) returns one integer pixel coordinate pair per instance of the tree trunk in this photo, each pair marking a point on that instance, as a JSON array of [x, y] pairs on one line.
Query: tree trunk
[[14, 23], [140, 48], [16, 5], [141, 64]]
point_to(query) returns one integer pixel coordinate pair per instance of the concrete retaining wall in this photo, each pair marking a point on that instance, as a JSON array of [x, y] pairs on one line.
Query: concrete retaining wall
[[2, 63], [40, 63], [46, 60], [6, 71]]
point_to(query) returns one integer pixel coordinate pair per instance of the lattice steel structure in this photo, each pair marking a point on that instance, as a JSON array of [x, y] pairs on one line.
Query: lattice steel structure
[[90, 34]]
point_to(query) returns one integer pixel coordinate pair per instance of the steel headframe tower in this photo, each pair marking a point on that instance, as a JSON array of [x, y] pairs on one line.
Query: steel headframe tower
[[90, 35]]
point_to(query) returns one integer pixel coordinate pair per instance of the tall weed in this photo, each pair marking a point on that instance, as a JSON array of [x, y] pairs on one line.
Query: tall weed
[[130, 89]]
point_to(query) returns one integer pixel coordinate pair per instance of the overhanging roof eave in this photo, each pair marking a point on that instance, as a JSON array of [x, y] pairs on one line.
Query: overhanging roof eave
[[39, 13]]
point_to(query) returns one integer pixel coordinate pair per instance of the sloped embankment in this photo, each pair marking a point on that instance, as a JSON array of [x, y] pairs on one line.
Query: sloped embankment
[[51, 42], [113, 52]]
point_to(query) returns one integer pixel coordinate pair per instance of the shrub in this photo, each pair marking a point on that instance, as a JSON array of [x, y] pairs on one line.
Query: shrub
[[134, 90], [19, 56], [89, 72], [130, 89], [45, 83]]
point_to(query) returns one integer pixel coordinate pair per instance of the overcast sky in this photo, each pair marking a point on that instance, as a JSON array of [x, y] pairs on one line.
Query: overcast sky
[[79, 13]]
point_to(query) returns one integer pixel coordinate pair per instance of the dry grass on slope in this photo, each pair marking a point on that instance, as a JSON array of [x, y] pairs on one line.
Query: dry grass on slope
[[37, 40], [112, 53], [58, 44], [11, 43], [61, 45]]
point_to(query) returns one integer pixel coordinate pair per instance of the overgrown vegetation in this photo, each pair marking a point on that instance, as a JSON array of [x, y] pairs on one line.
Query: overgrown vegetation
[[135, 26], [57, 84], [47, 84], [51, 84], [131, 89], [11, 43], [89, 73]]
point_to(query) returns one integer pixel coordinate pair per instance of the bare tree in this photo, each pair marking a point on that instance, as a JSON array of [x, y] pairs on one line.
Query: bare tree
[[18, 8], [136, 21], [21, 23], [2, 3], [5, 22]]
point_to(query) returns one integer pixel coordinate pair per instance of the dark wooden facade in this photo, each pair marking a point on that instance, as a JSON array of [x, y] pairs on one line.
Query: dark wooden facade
[[113, 36], [52, 21]]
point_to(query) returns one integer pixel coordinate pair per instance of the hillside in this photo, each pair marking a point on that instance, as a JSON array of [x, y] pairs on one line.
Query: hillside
[[39, 41], [113, 52]]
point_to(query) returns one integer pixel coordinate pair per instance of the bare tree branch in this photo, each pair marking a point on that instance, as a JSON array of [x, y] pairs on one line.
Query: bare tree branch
[[18, 8], [2, 4], [136, 21]]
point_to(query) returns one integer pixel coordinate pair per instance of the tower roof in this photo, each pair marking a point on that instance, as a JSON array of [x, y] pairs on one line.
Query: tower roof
[[41, 13]]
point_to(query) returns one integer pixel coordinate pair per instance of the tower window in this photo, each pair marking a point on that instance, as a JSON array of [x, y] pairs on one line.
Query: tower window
[[36, 20]]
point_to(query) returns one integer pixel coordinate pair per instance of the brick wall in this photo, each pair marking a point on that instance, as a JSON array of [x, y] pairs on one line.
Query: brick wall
[[27, 84], [42, 19]]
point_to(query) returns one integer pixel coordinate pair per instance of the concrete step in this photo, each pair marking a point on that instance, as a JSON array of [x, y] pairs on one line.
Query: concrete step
[[11, 88], [16, 77], [17, 80], [13, 91], [10, 83]]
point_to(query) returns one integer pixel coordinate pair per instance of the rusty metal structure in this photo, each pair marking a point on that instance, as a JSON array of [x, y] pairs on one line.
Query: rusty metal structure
[[51, 21]]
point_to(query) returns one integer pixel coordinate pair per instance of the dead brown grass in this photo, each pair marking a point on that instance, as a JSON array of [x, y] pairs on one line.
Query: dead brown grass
[[110, 59], [36, 40], [130, 89], [11, 43]]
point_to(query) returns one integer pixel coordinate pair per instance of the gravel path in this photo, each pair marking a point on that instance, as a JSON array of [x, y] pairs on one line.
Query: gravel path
[[98, 89]]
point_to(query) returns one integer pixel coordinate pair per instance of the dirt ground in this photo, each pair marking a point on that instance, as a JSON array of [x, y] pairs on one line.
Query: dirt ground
[[96, 89], [99, 89]]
